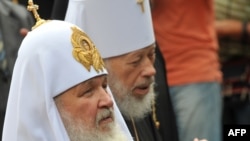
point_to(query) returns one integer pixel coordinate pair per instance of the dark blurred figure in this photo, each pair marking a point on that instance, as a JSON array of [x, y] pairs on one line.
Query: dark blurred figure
[[233, 28], [59, 9]]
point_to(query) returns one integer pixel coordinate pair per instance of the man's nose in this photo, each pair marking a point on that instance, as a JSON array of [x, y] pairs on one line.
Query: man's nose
[[105, 100], [149, 69]]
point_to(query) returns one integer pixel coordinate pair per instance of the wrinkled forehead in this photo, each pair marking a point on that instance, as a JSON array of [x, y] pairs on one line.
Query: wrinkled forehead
[[147, 50]]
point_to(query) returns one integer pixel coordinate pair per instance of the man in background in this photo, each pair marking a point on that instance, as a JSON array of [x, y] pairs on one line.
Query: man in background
[[185, 32], [233, 28]]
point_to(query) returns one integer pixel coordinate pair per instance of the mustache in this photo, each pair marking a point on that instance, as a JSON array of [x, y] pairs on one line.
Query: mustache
[[104, 113]]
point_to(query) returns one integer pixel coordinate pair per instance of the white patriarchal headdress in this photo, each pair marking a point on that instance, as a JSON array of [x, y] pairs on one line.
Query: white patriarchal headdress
[[116, 27], [45, 67]]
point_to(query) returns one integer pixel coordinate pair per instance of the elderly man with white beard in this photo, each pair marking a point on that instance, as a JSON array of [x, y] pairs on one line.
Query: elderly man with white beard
[[59, 89], [123, 33]]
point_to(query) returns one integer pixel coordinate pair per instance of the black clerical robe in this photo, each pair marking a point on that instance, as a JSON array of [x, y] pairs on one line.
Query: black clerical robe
[[145, 129], [163, 104]]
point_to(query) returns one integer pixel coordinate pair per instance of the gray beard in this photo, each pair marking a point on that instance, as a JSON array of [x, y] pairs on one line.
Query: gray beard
[[78, 131], [129, 105]]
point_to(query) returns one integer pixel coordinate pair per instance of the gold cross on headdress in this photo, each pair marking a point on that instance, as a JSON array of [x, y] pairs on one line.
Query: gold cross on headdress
[[141, 2], [33, 8]]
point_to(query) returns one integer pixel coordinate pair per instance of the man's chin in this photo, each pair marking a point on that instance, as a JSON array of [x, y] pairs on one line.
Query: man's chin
[[111, 132], [107, 126], [136, 107]]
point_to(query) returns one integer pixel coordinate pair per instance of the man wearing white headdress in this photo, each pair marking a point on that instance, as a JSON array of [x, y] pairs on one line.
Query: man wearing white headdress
[[59, 89], [163, 110], [123, 33]]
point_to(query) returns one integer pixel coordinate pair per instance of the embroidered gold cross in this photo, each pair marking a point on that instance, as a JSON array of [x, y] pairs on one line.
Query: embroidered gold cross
[[33, 8], [141, 4]]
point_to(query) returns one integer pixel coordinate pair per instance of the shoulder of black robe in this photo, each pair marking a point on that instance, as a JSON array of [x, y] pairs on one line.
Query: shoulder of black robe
[[59, 9], [145, 129], [164, 109]]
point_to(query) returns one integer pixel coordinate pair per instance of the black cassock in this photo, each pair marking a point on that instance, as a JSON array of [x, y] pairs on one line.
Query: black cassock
[[145, 129], [164, 109]]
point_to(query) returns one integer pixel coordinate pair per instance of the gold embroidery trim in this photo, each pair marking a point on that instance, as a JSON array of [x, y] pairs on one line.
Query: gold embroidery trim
[[84, 51], [157, 123]]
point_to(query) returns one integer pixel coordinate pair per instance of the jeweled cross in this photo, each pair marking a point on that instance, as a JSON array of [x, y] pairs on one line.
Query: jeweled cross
[[33, 8], [141, 4]]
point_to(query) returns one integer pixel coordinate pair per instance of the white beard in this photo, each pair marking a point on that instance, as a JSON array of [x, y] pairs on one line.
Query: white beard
[[129, 105], [78, 131]]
